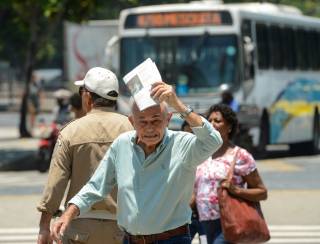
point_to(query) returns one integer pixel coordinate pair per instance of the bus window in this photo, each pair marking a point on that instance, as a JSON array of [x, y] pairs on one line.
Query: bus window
[[276, 47], [248, 50], [289, 50], [317, 49], [313, 51], [301, 47], [263, 46], [193, 64], [246, 28]]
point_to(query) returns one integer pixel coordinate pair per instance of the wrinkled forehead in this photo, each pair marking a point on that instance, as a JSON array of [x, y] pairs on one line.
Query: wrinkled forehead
[[157, 111]]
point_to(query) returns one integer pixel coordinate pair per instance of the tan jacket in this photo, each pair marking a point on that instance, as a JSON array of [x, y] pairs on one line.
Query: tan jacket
[[78, 151]]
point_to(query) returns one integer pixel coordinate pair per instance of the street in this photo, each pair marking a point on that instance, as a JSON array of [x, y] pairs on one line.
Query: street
[[292, 209]]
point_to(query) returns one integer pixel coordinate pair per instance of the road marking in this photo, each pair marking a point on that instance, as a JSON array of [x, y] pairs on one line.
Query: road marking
[[294, 227], [277, 165], [295, 240], [24, 179], [18, 230], [284, 234], [287, 234], [295, 234], [18, 235]]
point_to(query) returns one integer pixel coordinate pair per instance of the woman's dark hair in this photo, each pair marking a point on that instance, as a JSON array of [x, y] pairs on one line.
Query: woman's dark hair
[[229, 116]]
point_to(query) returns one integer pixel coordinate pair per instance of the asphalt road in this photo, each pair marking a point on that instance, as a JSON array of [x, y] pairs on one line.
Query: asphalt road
[[292, 209]]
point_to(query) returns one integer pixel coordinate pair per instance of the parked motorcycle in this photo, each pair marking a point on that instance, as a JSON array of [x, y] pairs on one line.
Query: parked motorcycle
[[48, 137]]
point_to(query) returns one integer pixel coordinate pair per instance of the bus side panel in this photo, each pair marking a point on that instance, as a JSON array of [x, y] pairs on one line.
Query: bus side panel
[[291, 115]]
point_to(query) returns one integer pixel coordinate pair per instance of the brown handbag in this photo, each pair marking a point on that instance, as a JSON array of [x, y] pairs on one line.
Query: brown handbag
[[242, 221]]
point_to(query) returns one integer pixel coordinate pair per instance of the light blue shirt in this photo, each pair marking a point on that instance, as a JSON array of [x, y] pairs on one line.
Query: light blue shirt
[[153, 192]]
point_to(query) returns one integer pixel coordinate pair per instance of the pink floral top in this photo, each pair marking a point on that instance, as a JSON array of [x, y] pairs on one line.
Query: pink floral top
[[211, 172]]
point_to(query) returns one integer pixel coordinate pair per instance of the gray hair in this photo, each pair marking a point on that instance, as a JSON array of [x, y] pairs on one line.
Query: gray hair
[[99, 101], [133, 106]]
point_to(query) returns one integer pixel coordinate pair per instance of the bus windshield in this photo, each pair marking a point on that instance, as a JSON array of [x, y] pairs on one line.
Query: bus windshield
[[193, 64]]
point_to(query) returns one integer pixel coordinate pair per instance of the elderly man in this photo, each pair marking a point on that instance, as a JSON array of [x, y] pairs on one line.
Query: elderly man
[[154, 169], [79, 149]]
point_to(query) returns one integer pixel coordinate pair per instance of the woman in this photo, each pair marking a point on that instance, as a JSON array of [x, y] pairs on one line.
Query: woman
[[195, 226], [246, 182]]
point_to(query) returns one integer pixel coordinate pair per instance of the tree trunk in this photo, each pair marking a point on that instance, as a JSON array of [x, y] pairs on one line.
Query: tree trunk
[[29, 66]]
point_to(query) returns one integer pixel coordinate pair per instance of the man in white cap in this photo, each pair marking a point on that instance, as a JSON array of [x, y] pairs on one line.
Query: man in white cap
[[80, 147]]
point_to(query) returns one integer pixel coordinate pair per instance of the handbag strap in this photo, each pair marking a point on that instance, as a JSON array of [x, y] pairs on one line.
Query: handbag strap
[[232, 166]]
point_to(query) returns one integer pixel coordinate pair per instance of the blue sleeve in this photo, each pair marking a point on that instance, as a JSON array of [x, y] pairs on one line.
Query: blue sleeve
[[205, 141]]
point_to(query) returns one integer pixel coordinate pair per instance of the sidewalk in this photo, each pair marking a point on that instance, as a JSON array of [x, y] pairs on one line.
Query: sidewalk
[[19, 153], [13, 103], [16, 153]]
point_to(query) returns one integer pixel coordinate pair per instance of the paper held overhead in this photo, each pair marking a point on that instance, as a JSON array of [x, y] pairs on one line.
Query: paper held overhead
[[139, 82]]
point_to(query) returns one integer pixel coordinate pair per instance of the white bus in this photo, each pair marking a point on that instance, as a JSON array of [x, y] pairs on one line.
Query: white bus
[[267, 55]]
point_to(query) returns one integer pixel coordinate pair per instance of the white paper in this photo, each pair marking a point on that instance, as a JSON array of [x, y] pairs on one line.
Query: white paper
[[139, 81]]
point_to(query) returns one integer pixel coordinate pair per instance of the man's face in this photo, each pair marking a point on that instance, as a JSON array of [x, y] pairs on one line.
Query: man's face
[[150, 124]]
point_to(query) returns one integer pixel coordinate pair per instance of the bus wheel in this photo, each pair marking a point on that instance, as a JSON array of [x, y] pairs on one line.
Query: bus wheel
[[264, 134]]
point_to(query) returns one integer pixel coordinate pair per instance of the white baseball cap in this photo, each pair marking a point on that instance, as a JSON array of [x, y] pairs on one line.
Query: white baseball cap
[[100, 81]]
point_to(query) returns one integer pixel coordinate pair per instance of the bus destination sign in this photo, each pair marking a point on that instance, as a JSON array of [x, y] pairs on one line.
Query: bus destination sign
[[178, 19]]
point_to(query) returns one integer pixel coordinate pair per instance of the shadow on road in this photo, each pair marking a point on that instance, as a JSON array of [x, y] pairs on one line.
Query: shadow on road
[[281, 154], [17, 160]]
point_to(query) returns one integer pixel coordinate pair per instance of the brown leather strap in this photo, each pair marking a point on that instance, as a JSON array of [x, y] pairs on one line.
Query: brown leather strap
[[148, 239], [232, 166]]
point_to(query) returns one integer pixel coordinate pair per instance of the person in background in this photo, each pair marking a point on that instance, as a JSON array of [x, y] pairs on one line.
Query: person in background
[[34, 101], [228, 99], [79, 149], [154, 169], [61, 111], [195, 226], [246, 182], [75, 106]]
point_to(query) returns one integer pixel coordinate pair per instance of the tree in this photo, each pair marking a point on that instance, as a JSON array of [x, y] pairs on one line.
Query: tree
[[34, 23]]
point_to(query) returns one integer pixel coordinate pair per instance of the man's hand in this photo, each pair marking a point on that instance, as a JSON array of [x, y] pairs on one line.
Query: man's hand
[[163, 92], [60, 226], [44, 229], [44, 237]]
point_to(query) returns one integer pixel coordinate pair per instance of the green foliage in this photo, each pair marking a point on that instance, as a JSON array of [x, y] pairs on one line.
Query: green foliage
[[38, 24]]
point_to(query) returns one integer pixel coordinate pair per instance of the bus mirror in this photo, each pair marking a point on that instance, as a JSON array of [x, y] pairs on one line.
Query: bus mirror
[[112, 54], [248, 52]]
